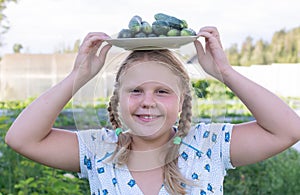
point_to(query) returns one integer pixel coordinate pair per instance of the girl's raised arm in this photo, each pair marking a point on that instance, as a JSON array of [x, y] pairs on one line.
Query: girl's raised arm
[[32, 134], [277, 126]]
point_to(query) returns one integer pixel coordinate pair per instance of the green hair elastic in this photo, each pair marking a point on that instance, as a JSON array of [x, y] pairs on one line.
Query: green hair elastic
[[119, 131], [177, 140]]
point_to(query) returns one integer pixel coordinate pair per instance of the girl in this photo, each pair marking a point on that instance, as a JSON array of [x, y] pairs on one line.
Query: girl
[[145, 153]]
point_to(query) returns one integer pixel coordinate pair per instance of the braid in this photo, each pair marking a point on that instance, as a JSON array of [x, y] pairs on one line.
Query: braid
[[174, 179], [121, 154], [185, 120], [113, 111]]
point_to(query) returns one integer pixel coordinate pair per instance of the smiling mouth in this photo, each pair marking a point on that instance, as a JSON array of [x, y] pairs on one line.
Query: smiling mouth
[[146, 117]]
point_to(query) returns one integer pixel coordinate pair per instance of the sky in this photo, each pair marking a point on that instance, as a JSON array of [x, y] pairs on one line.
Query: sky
[[50, 25]]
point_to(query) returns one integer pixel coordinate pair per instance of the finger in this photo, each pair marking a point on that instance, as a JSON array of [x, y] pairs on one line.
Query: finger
[[91, 34], [92, 44], [103, 52], [210, 40], [210, 30], [199, 49], [203, 55]]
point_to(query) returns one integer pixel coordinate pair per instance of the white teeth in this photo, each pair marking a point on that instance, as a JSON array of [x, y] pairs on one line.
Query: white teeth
[[147, 117]]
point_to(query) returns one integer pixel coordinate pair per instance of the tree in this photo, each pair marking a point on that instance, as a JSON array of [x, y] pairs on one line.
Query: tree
[[258, 54], [69, 49], [201, 88], [3, 19], [233, 54], [247, 48], [17, 48], [284, 48]]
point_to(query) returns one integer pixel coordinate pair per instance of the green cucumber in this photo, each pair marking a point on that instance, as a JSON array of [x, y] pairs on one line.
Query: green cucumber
[[173, 32], [160, 27], [187, 32], [161, 16], [152, 35], [125, 33], [146, 27], [173, 21], [140, 35], [135, 24]]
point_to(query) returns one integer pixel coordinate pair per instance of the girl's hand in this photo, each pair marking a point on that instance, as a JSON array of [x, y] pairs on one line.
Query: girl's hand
[[89, 60], [213, 59]]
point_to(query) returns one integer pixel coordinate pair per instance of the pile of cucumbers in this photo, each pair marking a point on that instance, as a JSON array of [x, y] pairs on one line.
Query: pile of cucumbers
[[163, 26]]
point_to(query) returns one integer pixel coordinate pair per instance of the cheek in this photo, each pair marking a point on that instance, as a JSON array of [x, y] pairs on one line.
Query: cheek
[[172, 105], [128, 104]]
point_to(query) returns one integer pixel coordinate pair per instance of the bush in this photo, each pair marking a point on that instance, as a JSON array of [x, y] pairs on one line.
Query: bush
[[19, 175], [277, 175], [211, 89], [22, 176]]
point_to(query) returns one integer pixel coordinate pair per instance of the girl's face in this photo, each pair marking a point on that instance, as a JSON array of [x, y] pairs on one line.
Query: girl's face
[[150, 99]]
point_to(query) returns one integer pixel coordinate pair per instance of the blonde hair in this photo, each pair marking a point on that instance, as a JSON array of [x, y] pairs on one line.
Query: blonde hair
[[174, 181]]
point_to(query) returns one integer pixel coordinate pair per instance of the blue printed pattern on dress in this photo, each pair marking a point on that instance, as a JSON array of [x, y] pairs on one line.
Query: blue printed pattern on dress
[[206, 134], [208, 153], [209, 187], [114, 181], [195, 176], [202, 192], [104, 191], [192, 146], [100, 170], [207, 167], [131, 183], [184, 155], [227, 137], [212, 137], [87, 162]]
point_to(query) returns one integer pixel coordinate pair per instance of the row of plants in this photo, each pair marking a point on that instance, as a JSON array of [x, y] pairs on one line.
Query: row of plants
[[19, 175], [277, 175], [213, 100]]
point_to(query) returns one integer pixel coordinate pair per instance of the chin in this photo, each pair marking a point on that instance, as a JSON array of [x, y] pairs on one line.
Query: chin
[[150, 134]]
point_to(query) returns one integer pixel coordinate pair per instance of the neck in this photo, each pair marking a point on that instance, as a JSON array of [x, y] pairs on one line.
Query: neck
[[148, 144], [149, 154]]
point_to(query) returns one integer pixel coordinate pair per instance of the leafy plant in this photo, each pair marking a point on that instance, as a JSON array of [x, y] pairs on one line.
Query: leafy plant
[[19, 175], [277, 175]]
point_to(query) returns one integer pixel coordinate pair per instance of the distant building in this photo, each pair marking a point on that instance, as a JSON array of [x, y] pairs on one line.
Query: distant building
[[28, 75]]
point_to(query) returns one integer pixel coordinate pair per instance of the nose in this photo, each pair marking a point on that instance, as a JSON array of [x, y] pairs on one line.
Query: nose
[[148, 101]]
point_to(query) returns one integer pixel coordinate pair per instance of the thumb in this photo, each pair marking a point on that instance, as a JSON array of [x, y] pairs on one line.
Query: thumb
[[199, 49], [103, 52]]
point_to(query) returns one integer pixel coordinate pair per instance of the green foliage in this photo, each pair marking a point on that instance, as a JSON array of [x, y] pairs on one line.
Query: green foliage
[[284, 48], [50, 181], [19, 175], [3, 20], [277, 175], [216, 102], [201, 88], [17, 47], [22, 176], [211, 89]]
